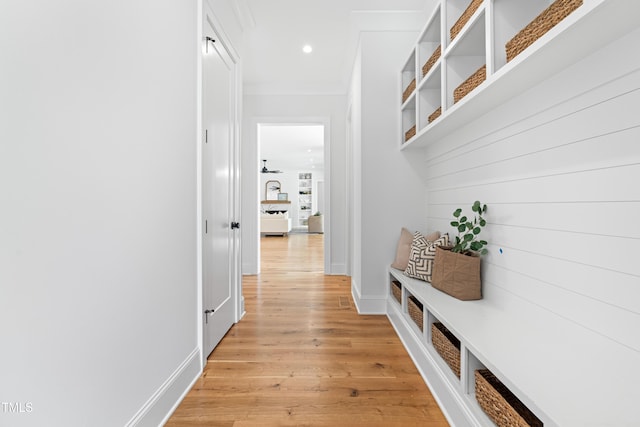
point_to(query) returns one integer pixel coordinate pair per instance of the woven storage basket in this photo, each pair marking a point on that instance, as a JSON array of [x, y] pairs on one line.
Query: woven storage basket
[[447, 346], [548, 19], [408, 91], [464, 18], [414, 307], [396, 291], [431, 61], [502, 406], [470, 84], [435, 114], [410, 133]]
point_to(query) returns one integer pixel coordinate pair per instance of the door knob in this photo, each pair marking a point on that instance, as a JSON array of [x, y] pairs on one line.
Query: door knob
[[235, 225]]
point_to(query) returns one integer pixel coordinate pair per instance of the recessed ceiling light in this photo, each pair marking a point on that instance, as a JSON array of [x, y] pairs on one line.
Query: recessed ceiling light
[[307, 48]]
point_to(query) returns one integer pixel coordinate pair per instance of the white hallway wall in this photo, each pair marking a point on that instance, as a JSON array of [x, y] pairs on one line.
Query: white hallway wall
[[388, 193], [267, 108], [98, 252], [558, 167]]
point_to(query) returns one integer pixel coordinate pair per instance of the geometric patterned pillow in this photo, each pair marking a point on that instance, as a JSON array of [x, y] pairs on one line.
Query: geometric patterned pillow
[[423, 252]]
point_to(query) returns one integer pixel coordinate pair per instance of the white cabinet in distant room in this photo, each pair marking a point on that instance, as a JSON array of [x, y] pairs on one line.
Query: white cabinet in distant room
[[304, 198]]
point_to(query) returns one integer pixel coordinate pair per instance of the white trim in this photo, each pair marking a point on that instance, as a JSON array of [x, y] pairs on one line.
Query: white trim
[[207, 13], [162, 404], [370, 305], [296, 120], [198, 142]]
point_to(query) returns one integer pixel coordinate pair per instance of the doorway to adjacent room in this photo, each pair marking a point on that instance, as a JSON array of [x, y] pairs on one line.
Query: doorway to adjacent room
[[292, 181]]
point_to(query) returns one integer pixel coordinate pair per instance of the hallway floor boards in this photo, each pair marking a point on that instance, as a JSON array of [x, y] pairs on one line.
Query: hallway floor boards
[[302, 356]]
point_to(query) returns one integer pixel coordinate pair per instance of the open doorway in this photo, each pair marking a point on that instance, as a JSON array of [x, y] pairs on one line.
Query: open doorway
[[291, 185]]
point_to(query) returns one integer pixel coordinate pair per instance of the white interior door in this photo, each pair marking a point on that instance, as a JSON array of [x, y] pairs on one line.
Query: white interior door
[[218, 294]]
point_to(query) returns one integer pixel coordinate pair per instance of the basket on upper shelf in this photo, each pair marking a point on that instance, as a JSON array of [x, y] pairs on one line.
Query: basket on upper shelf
[[464, 18], [431, 61], [410, 133], [549, 18], [408, 91], [471, 83], [435, 114]]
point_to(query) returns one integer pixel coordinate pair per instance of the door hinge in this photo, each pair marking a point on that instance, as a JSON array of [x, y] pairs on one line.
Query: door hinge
[[206, 315], [206, 136], [206, 226], [207, 40]]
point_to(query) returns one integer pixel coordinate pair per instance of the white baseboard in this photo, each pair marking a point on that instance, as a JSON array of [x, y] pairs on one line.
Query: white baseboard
[[157, 410], [338, 269], [369, 305]]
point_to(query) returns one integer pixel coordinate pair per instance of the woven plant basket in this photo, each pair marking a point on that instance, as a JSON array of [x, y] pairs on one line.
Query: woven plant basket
[[414, 307], [410, 133], [447, 346], [502, 406], [464, 18], [435, 114], [470, 84], [431, 61], [549, 18], [408, 91], [396, 291], [456, 274]]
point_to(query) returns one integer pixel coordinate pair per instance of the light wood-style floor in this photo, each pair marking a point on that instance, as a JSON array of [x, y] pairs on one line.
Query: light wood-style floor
[[302, 356]]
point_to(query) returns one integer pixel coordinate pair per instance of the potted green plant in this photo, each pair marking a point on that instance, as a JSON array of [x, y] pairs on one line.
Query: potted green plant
[[456, 269]]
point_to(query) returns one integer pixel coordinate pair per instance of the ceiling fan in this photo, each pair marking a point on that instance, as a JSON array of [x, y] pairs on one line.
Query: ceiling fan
[[265, 170]]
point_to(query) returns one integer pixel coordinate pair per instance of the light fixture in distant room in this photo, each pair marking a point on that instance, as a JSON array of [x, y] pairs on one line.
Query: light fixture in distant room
[[307, 48]]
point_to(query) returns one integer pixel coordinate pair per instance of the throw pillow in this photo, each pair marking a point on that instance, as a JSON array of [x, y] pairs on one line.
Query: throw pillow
[[404, 247], [420, 265]]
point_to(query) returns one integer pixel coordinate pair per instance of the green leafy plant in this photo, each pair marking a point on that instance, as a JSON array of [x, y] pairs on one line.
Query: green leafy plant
[[317, 213], [467, 241]]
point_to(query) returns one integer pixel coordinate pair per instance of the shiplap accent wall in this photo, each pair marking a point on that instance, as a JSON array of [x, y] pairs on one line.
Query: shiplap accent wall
[[559, 167]]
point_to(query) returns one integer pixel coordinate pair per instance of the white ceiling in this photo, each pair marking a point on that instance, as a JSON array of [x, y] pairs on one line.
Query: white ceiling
[[276, 30], [273, 62], [292, 148]]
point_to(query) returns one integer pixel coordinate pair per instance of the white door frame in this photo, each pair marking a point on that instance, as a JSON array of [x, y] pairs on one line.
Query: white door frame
[[208, 16], [297, 121]]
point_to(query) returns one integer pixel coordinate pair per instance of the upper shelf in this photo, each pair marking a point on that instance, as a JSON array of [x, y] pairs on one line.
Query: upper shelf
[[593, 25]]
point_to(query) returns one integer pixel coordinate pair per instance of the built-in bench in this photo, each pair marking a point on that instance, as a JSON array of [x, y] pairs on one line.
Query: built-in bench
[[564, 373]]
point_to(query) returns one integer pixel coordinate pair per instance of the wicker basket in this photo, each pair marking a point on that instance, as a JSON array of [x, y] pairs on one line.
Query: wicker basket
[[414, 307], [548, 19], [502, 406], [410, 133], [470, 84], [464, 18], [435, 114], [431, 61], [447, 346], [408, 91], [396, 290]]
